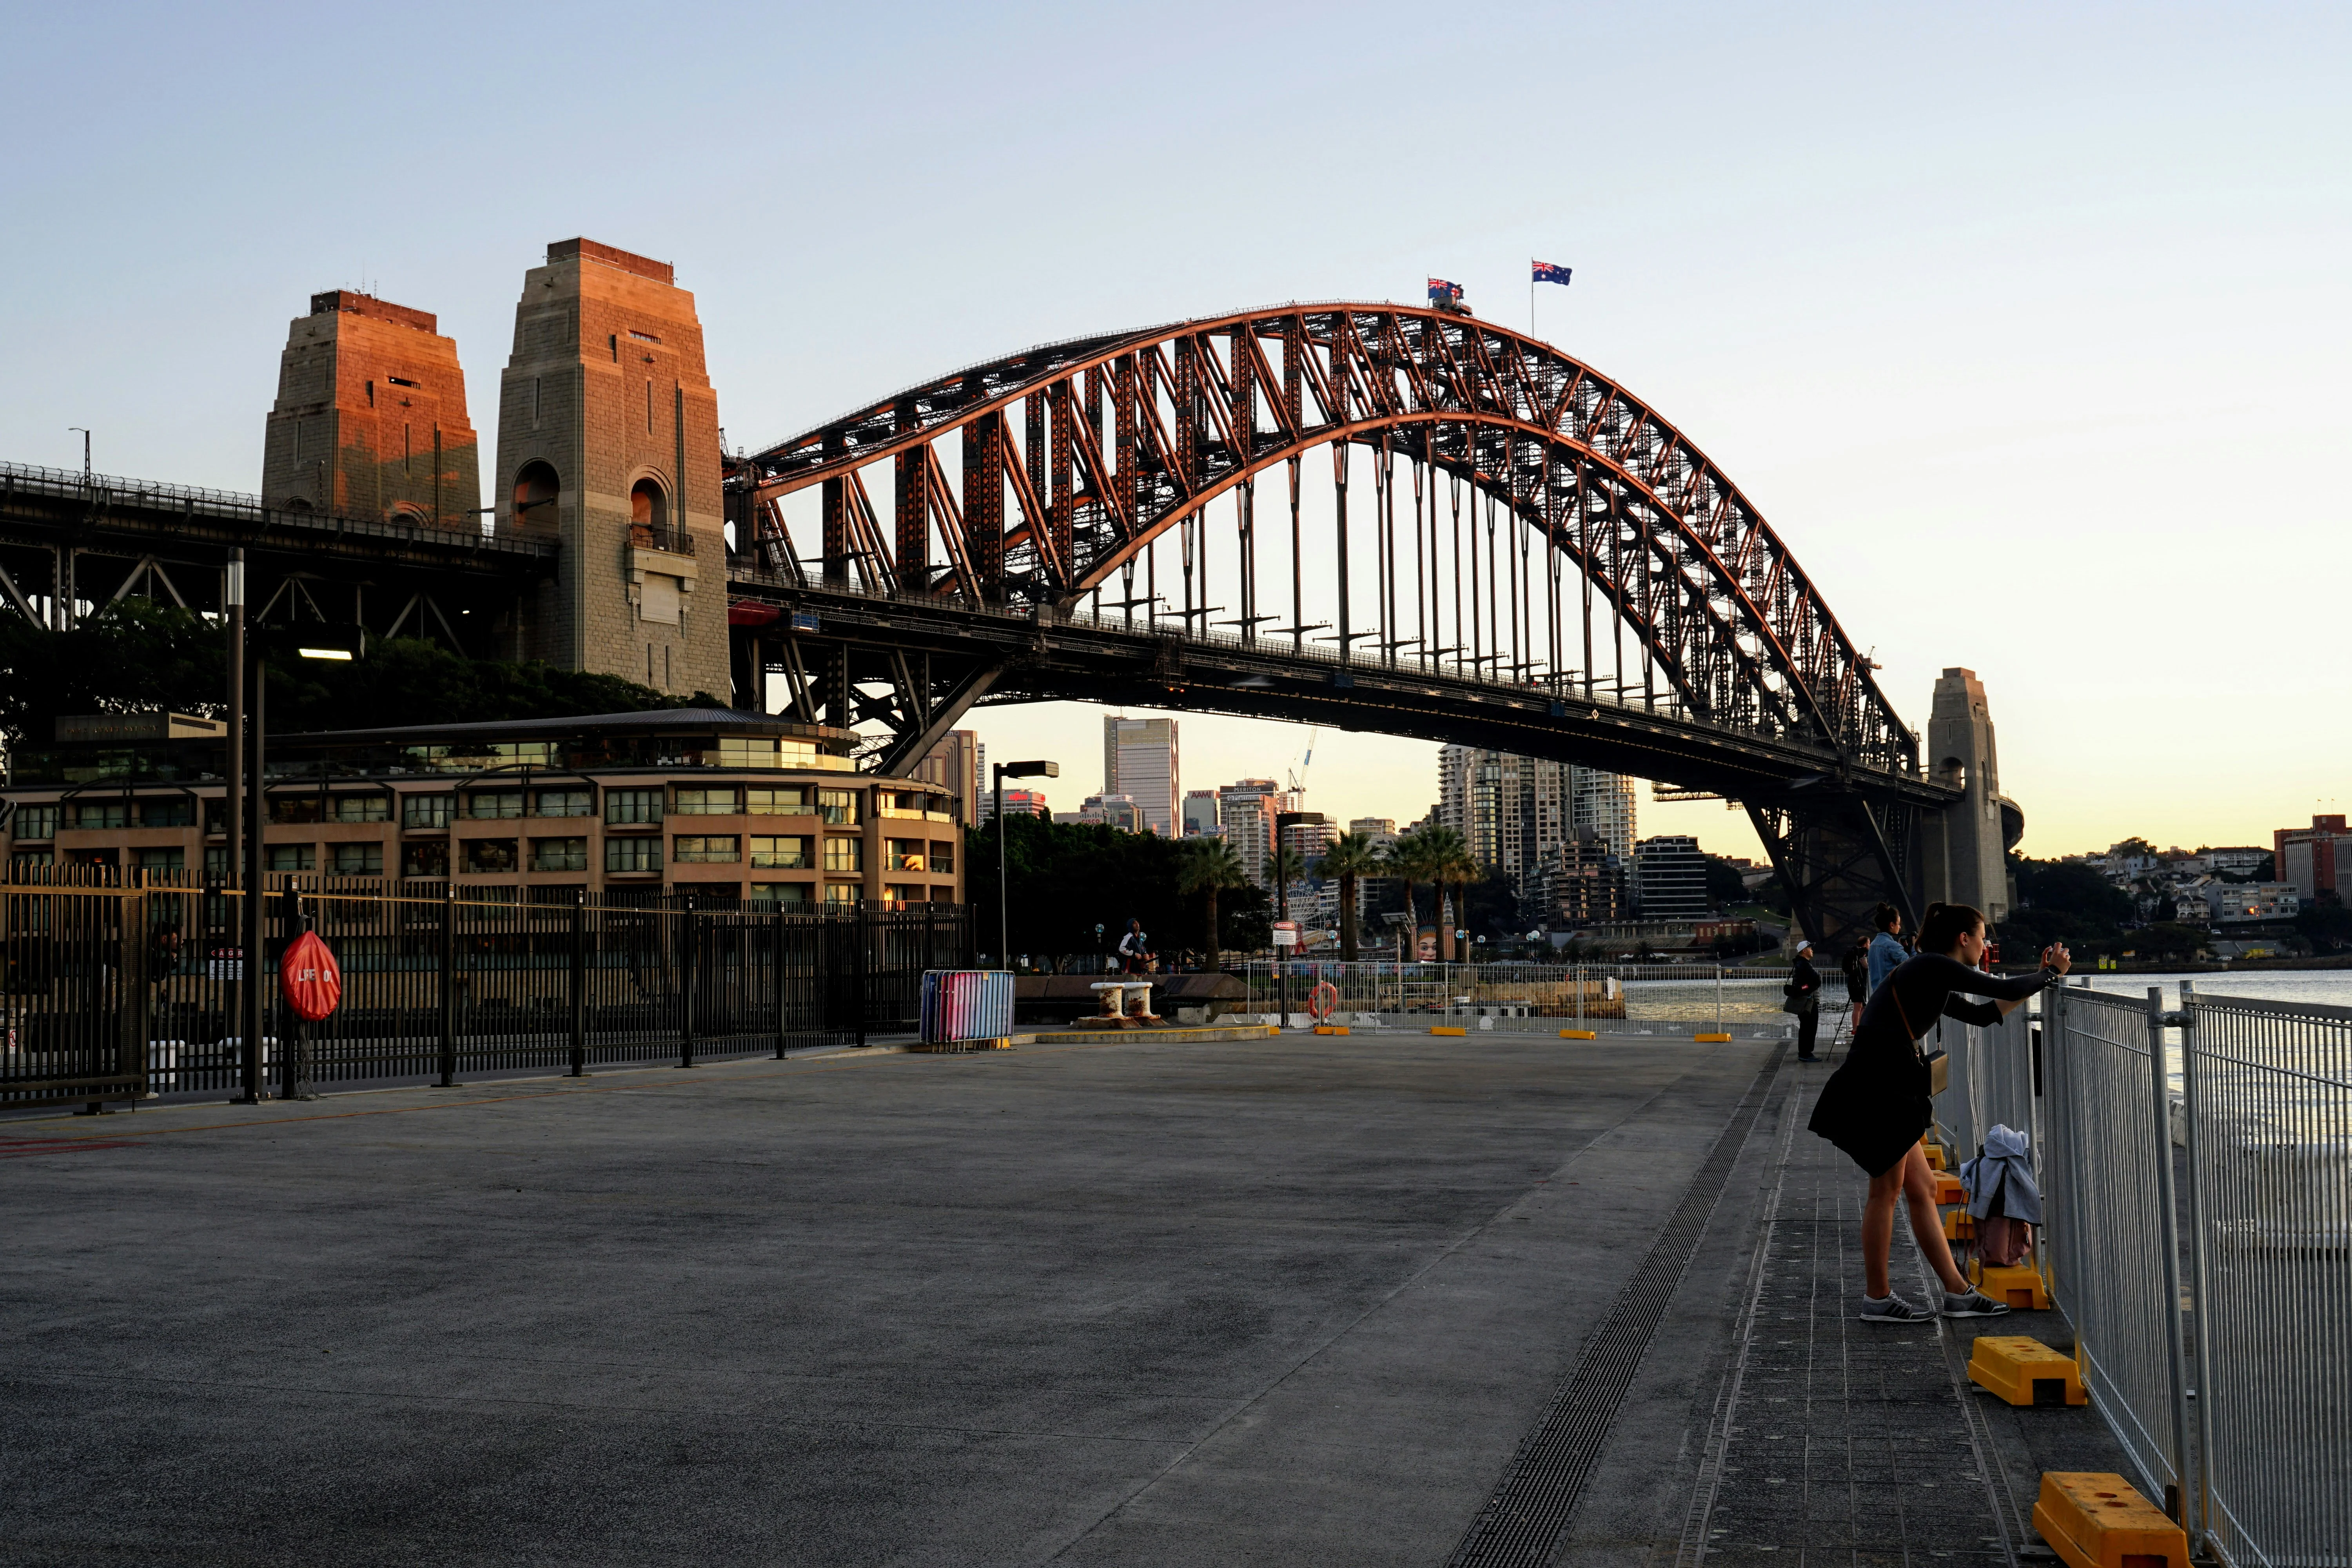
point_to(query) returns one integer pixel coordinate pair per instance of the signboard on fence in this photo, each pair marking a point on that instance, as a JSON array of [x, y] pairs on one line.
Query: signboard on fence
[[1286, 933]]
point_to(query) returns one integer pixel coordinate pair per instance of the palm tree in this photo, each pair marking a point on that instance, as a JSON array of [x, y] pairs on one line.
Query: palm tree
[[1347, 857], [1209, 866], [1408, 862], [1448, 863]]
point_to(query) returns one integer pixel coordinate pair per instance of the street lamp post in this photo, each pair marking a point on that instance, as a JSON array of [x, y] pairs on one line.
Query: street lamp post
[[1003, 771], [1282, 820]]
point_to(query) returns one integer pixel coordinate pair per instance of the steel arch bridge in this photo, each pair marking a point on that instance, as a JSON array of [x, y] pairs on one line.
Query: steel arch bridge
[[1621, 603]]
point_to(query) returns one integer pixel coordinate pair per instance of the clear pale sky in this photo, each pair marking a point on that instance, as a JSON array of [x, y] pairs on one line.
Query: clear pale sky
[[2027, 327]]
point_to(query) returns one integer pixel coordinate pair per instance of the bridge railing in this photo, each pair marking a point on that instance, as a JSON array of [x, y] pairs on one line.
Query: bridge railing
[[114, 490]]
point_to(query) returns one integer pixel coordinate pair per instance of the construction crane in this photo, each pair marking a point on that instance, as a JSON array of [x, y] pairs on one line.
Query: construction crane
[[1297, 775]]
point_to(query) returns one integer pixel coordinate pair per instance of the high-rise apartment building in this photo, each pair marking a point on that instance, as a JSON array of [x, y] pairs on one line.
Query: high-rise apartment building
[[2307, 857], [1247, 809], [1512, 811], [1381, 830], [1669, 878], [1139, 760]]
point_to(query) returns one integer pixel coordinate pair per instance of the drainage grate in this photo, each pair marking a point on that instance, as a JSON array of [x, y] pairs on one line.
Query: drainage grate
[[1520, 1525]]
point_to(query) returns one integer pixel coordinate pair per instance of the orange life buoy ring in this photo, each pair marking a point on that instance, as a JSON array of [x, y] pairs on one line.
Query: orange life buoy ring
[[1323, 1001]]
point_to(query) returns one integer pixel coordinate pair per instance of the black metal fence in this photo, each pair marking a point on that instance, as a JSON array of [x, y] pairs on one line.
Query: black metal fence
[[114, 988]]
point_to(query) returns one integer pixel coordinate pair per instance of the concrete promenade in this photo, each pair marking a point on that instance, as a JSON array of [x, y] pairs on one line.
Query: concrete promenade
[[1292, 1301]]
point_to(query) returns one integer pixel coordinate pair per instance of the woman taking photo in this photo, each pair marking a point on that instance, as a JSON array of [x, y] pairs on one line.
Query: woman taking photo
[[1878, 1104]]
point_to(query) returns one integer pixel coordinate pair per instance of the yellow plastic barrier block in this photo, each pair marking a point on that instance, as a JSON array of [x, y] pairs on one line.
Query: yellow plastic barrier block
[[1948, 1189], [2018, 1285], [1446, 1029], [1578, 1035], [1330, 1028], [2097, 1520], [2025, 1370], [1934, 1156], [1712, 1039], [1960, 1226]]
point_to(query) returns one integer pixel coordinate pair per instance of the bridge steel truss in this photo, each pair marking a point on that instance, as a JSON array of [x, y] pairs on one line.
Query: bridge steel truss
[[1049, 479], [71, 545]]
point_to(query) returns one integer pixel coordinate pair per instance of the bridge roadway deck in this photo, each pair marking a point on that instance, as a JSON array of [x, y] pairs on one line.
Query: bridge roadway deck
[[1291, 1301]]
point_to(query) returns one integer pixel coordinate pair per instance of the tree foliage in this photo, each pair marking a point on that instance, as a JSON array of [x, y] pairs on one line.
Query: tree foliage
[[1064, 879]]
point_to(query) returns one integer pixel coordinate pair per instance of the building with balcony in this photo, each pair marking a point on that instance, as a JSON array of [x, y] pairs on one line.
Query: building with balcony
[[742, 807]]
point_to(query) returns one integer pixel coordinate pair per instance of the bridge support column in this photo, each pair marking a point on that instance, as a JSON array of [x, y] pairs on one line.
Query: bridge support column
[[1964, 858]]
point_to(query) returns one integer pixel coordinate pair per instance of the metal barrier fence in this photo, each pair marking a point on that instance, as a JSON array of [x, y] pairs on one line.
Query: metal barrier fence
[[2267, 1102], [1530, 998], [2248, 1254], [114, 991]]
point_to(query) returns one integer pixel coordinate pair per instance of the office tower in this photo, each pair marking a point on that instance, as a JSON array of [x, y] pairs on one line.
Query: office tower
[[1199, 812], [956, 762], [1140, 759], [1670, 878]]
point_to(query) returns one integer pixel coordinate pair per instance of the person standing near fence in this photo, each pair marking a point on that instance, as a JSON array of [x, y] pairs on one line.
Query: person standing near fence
[[1886, 949], [1804, 991], [1878, 1104]]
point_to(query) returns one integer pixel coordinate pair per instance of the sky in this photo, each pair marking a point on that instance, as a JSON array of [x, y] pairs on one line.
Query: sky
[[2025, 326]]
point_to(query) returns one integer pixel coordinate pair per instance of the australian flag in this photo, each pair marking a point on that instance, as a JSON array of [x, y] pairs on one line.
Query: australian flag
[[1551, 272], [1441, 292]]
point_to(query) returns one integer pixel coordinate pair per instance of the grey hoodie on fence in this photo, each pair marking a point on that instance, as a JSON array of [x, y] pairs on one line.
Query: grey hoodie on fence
[[2001, 1180]]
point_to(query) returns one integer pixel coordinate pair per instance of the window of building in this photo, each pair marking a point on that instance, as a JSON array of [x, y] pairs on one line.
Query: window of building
[[428, 859], [559, 854], [171, 857], [842, 853], [427, 810], [707, 848], [624, 807], [359, 859], [782, 852], [838, 807], [293, 858], [482, 803], [176, 812], [909, 800], [727, 802], [906, 854], [296, 808], [843, 892], [942, 856], [36, 822], [782, 893], [101, 813], [34, 858], [787, 800], [632, 854], [359, 808], [643, 337], [565, 803], [216, 862], [490, 855], [906, 895]]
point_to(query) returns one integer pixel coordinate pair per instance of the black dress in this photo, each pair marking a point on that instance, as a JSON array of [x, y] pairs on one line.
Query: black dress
[[1876, 1104]]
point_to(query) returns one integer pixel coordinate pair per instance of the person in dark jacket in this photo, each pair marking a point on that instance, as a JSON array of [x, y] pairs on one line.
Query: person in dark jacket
[[1804, 989], [1878, 1103]]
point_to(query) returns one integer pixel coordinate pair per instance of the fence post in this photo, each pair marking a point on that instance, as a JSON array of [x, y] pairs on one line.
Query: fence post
[[2168, 1239], [776, 964], [131, 1021], [1718, 998], [686, 965], [579, 983], [448, 985], [860, 922], [2200, 1298]]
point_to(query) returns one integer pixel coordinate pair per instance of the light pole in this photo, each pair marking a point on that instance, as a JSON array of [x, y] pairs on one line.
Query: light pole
[[1283, 821], [75, 429], [1003, 771]]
